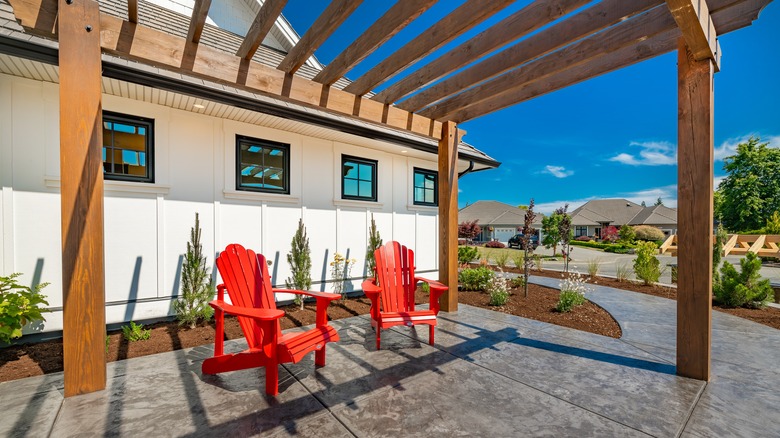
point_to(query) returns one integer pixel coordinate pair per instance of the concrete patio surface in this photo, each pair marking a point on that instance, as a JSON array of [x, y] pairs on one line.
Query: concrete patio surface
[[489, 374]]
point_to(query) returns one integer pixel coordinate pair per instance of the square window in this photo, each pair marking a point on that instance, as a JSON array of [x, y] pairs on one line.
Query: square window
[[358, 178], [262, 165], [128, 148], [426, 187]]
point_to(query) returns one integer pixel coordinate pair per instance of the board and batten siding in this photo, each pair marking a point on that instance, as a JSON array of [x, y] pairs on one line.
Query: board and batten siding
[[147, 226]]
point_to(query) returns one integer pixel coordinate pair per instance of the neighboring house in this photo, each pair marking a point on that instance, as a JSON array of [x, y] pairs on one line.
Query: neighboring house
[[499, 221], [590, 218], [174, 145]]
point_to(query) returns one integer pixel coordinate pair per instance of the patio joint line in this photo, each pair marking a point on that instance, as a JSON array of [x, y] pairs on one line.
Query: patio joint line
[[56, 417], [691, 410]]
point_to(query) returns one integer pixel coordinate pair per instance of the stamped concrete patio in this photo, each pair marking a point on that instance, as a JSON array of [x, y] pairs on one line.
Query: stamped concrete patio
[[490, 374]]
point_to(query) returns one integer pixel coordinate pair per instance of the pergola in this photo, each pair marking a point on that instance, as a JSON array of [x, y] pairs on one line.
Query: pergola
[[602, 36]]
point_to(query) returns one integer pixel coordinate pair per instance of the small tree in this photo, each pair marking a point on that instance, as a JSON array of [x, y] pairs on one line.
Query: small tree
[[469, 230], [745, 288], [609, 234], [773, 224], [527, 247], [627, 234], [550, 230], [374, 242], [717, 253], [565, 233], [19, 305], [299, 259], [646, 265], [197, 288], [659, 201]]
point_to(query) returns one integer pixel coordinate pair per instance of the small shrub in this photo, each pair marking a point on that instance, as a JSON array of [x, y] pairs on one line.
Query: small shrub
[[469, 230], [494, 244], [467, 253], [646, 265], [108, 342], [593, 267], [18, 306], [746, 288], [572, 292], [773, 224], [497, 289], [299, 259], [501, 259], [609, 234], [646, 232], [374, 243], [517, 282], [583, 239], [475, 278], [426, 288], [135, 332], [340, 269], [626, 234], [622, 272], [617, 249], [518, 258], [538, 263], [197, 289]]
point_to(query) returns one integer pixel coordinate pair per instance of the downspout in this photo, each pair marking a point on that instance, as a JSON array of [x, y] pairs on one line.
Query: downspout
[[468, 169]]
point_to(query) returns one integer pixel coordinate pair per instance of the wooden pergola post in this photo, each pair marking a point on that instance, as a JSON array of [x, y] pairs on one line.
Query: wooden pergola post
[[448, 215], [81, 172], [694, 214]]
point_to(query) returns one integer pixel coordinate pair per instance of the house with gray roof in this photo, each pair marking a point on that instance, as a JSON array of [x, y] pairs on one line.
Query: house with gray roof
[[593, 216], [499, 221]]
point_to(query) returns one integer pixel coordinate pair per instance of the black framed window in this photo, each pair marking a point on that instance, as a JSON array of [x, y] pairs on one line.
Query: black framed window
[[358, 178], [262, 165], [426, 187], [580, 231], [128, 148]]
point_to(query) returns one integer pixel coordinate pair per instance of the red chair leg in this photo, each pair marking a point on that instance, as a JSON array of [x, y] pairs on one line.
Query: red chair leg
[[378, 336], [430, 334], [272, 378], [319, 357]]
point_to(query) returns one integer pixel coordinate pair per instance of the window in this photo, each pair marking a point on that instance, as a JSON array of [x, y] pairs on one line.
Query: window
[[128, 148], [262, 165], [580, 231], [358, 178], [426, 187]]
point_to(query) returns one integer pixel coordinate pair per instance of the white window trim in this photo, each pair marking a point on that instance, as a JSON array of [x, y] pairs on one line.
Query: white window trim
[[118, 186]]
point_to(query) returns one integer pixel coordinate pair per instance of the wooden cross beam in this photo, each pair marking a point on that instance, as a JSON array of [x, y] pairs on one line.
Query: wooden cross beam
[[262, 24], [132, 11], [199, 14], [694, 20]]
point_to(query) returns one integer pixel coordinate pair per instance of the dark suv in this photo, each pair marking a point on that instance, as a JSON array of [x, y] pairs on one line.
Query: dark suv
[[517, 240]]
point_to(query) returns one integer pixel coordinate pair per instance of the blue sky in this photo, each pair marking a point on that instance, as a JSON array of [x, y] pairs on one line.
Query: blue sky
[[611, 136]]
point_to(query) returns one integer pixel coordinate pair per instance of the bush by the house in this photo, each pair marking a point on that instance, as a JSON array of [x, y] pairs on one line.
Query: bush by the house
[[582, 239], [499, 294], [619, 248], [746, 288], [495, 244], [572, 292], [647, 267], [197, 289], [467, 254], [609, 234], [135, 332], [501, 258], [646, 232], [426, 288], [469, 230], [626, 234], [19, 305], [475, 278], [517, 282], [299, 259]]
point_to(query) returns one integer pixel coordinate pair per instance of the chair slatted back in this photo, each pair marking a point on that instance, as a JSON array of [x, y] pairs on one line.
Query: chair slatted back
[[395, 272], [245, 275]]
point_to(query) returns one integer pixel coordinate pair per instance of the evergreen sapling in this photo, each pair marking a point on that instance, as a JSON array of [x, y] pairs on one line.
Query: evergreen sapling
[[374, 242], [299, 259], [196, 286]]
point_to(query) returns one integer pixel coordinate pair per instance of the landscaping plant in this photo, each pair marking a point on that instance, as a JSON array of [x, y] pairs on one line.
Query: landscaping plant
[[626, 234], [469, 230], [622, 272], [593, 267], [374, 242], [646, 232], [745, 288], [197, 288], [773, 224], [135, 332], [537, 262], [518, 259], [566, 233], [518, 282], [646, 265], [426, 288], [19, 305], [299, 259], [609, 234], [501, 259], [550, 231], [494, 244], [466, 254], [717, 253], [475, 278], [528, 250], [572, 292], [340, 269], [499, 294]]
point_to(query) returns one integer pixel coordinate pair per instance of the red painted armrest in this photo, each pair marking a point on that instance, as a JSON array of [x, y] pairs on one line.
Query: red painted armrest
[[310, 293], [370, 289], [260, 314], [436, 290]]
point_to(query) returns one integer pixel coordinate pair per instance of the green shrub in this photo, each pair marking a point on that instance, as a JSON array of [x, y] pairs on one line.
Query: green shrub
[[572, 292], [135, 332], [467, 254], [18, 306], [621, 248], [196, 286], [501, 259], [517, 282], [622, 272], [627, 234], [374, 242], [646, 265], [593, 267], [518, 258], [499, 294], [743, 289], [426, 288], [475, 278], [646, 232], [299, 259]]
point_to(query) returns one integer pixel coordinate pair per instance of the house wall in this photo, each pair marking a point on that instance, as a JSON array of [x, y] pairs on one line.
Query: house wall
[[147, 226]]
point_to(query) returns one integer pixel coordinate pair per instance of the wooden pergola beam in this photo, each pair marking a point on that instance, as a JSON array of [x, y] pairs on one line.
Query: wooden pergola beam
[[330, 19], [519, 24], [262, 24], [132, 11], [81, 197], [448, 215], [395, 19], [199, 14], [693, 19], [694, 213], [443, 31], [587, 22]]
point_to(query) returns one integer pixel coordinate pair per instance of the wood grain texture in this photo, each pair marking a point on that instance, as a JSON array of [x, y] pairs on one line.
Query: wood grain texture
[[81, 171], [448, 28], [694, 214], [132, 11], [519, 24], [448, 215], [395, 19], [330, 19], [261, 25], [199, 14], [693, 19], [587, 22]]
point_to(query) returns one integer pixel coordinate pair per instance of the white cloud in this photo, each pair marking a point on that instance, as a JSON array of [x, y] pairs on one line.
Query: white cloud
[[652, 153], [729, 147], [558, 171]]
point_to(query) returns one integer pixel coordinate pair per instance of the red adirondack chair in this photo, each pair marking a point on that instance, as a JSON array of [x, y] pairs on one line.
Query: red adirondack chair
[[249, 286], [392, 300]]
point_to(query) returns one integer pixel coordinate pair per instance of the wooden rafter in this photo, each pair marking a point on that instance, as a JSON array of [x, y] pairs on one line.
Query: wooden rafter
[[693, 19], [262, 24], [199, 14], [454, 24], [330, 19], [519, 24], [132, 11], [594, 19], [395, 19]]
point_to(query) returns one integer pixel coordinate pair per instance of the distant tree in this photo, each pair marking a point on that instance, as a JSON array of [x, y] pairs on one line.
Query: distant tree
[[773, 224], [527, 248], [750, 193], [643, 204], [565, 234], [659, 201], [609, 234], [469, 230], [627, 234], [550, 231]]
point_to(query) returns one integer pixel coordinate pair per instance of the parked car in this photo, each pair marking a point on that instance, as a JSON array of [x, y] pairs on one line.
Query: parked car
[[517, 240]]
